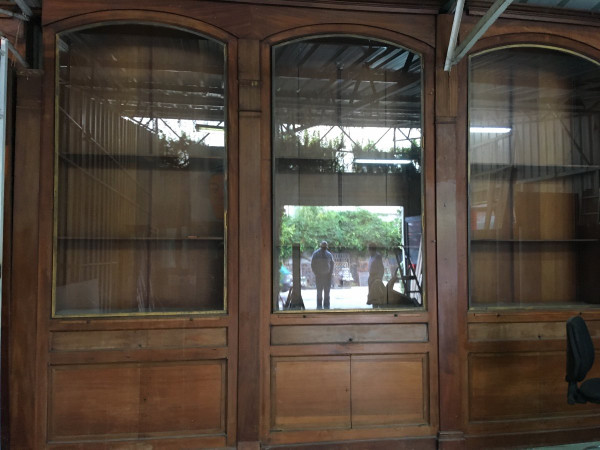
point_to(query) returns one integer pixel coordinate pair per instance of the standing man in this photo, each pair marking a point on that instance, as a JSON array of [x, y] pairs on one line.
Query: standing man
[[322, 264]]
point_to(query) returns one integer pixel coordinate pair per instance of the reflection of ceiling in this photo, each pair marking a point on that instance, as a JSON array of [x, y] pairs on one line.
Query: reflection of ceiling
[[147, 71], [525, 80], [327, 81], [346, 81]]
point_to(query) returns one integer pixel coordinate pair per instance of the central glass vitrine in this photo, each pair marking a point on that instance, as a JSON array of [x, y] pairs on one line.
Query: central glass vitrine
[[347, 175]]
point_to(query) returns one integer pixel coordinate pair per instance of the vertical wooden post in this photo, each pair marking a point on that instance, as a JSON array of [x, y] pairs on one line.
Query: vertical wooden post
[[24, 271], [451, 239], [250, 244]]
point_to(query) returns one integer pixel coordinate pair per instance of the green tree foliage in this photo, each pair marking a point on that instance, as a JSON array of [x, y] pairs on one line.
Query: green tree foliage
[[343, 230]]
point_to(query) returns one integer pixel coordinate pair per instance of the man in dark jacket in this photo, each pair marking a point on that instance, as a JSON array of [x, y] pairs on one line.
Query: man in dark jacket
[[322, 265]]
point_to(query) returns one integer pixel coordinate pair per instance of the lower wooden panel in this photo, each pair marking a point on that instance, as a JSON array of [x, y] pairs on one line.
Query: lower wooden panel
[[389, 390], [317, 334], [136, 400], [65, 341], [310, 393], [512, 386], [423, 443], [207, 442], [349, 392]]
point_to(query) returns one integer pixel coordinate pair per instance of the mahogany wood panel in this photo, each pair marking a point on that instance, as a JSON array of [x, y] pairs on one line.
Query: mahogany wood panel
[[389, 390], [351, 348], [251, 244], [544, 215], [141, 323], [210, 442], [310, 393], [519, 385], [511, 315], [343, 318], [94, 401], [451, 238], [493, 279], [104, 401], [318, 334], [144, 355], [374, 444], [5, 271], [22, 358], [545, 275], [248, 21], [184, 398], [519, 331], [581, 38], [138, 339]]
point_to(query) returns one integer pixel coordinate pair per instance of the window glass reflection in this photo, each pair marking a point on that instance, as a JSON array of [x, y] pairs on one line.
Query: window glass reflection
[[141, 165], [534, 159], [347, 175]]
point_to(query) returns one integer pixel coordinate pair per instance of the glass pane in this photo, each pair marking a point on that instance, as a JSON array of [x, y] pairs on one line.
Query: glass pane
[[534, 155], [347, 175], [141, 165]]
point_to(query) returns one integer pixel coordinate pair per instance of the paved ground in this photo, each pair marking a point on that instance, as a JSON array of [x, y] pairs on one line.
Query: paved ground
[[340, 298]]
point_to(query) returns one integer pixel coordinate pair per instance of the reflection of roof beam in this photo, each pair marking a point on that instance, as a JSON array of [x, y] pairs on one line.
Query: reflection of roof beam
[[6, 12], [455, 54], [353, 74], [15, 52], [24, 7]]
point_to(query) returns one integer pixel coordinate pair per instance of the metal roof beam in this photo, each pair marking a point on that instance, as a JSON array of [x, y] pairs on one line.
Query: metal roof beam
[[449, 7], [6, 12], [24, 7], [455, 54], [458, 12]]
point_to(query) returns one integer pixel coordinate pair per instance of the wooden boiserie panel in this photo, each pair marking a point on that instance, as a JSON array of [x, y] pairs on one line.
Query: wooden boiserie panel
[[318, 334], [513, 386], [65, 341], [544, 215], [120, 401], [310, 393], [389, 390], [520, 331], [183, 398], [491, 278], [545, 273]]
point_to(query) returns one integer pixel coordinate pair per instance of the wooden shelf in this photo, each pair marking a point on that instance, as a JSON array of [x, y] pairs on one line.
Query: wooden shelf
[[210, 161], [526, 173]]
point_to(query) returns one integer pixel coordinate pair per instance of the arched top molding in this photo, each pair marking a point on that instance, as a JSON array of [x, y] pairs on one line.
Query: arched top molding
[[546, 40], [360, 31], [158, 18]]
